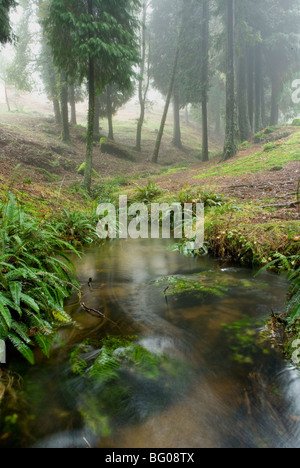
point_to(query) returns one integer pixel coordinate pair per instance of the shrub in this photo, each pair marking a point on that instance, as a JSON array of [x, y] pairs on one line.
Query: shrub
[[211, 199], [148, 192], [259, 137], [245, 145], [270, 146], [76, 228], [35, 278]]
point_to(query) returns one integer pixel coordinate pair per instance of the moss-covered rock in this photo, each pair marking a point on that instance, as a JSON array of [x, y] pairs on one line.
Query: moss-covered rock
[[201, 285], [115, 149], [126, 383]]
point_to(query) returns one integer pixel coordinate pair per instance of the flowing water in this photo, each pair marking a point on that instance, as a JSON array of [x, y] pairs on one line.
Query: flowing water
[[219, 384]]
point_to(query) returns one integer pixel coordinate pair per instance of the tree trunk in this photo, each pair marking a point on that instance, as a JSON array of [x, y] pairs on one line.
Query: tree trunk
[[230, 147], [56, 110], [263, 105], [258, 85], [243, 112], [138, 145], [205, 78], [186, 115], [109, 113], [90, 129], [276, 89], [91, 118], [97, 117], [142, 92], [64, 107], [73, 105], [176, 128], [205, 153], [6, 97], [250, 86], [166, 109], [54, 89]]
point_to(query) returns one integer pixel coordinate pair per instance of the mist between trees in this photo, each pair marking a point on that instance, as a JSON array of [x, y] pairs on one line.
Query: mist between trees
[[229, 64]]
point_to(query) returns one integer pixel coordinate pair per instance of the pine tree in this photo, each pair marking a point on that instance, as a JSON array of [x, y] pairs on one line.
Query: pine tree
[[94, 40], [19, 71], [166, 28], [6, 34]]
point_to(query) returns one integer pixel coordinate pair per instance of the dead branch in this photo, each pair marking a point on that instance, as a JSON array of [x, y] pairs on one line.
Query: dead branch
[[91, 311], [97, 313]]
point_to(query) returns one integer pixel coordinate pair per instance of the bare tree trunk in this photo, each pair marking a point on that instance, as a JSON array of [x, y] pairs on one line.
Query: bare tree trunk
[[230, 147], [250, 86], [6, 97], [186, 115], [242, 98], [258, 85], [73, 105], [56, 110], [276, 88], [143, 91], [97, 117], [64, 108], [205, 79], [91, 118], [166, 109], [109, 113], [176, 129]]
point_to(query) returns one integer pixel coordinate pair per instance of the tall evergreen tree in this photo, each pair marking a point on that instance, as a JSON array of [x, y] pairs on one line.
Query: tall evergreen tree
[[166, 37], [19, 71], [6, 34], [94, 40], [274, 54], [108, 103]]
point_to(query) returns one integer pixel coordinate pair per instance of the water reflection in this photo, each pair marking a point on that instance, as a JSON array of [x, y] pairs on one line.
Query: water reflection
[[235, 391]]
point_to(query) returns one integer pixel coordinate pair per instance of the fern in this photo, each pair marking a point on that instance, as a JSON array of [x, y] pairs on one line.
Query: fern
[[36, 276], [22, 347], [293, 305], [290, 265]]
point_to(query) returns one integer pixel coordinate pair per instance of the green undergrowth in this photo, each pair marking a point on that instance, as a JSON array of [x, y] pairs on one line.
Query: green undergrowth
[[36, 276], [233, 231], [274, 155]]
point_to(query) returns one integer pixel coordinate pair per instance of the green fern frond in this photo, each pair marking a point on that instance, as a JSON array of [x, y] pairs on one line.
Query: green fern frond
[[22, 347]]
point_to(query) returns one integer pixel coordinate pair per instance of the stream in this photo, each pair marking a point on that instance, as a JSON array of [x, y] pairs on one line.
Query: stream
[[199, 374]]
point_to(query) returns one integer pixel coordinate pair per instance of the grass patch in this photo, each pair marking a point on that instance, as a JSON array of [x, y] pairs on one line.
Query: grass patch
[[263, 160]]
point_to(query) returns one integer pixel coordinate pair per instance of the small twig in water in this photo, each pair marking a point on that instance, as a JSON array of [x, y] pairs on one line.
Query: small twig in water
[[87, 442], [97, 313], [92, 311]]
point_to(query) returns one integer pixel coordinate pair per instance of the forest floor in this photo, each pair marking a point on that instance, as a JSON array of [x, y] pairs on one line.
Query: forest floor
[[260, 183]]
